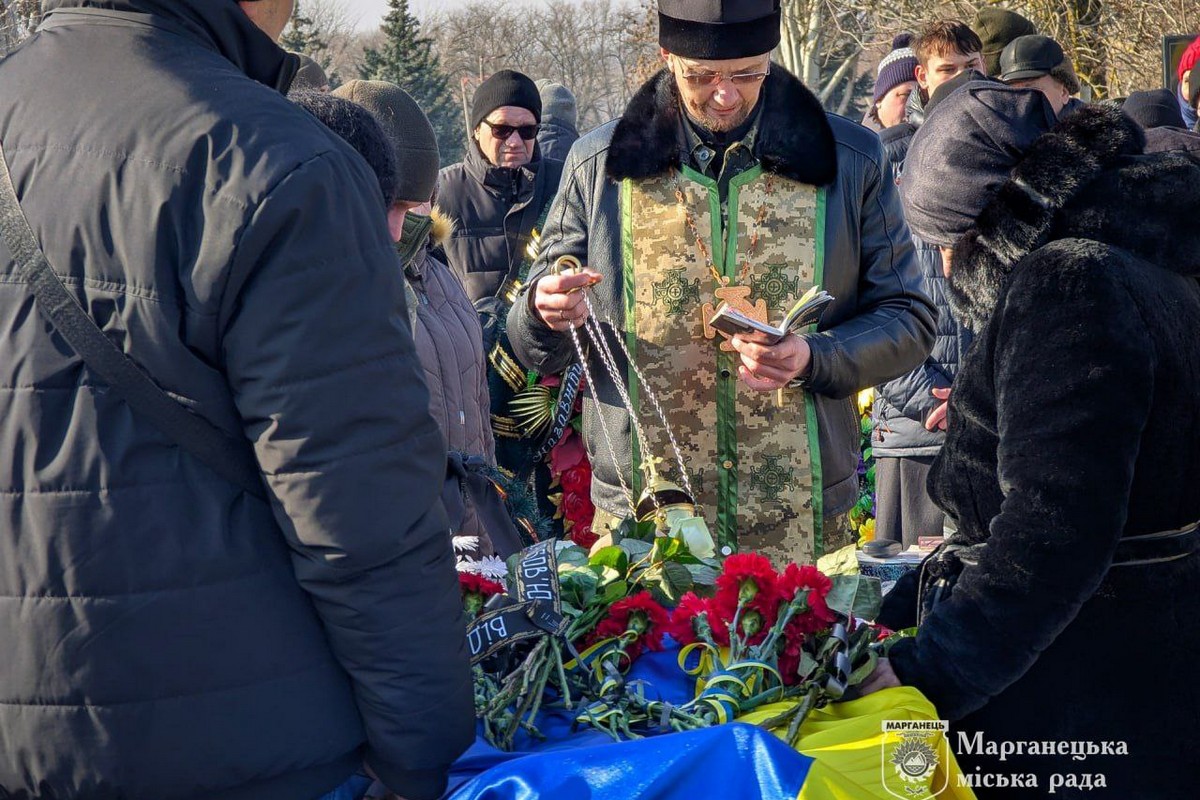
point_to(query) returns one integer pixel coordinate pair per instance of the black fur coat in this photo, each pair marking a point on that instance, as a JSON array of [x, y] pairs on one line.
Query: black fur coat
[[1075, 422]]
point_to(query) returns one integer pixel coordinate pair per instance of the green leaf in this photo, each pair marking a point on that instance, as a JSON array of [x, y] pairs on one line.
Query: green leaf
[[635, 549], [573, 556], [606, 575], [626, 530], [703, 575], [808, 666], [667, 549], [855, 595], [612, 592], [864, 670], [676, 580], [578, 585], [611, 556], [646, 531]]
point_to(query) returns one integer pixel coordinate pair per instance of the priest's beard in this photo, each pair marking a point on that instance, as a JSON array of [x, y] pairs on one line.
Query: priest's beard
[[701, 115]]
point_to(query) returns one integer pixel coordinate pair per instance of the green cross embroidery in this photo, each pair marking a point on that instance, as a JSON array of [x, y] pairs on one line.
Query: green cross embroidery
[[676, 293], [774, 287], [771, 479]]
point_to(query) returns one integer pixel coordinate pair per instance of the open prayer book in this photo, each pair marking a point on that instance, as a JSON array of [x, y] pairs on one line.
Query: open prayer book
[[807, 311]]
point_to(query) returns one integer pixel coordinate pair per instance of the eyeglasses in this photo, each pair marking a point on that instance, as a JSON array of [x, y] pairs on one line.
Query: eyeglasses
[[706, 78], [503, 132]]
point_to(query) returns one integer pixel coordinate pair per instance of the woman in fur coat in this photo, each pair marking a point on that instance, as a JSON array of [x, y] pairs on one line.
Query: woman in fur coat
[[1072, 460]]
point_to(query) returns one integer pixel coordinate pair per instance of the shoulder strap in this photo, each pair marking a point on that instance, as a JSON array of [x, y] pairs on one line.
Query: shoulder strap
[[231, 458], [519, 270]]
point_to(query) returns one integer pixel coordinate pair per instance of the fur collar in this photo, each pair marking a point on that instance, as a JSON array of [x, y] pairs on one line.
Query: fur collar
[[1027, 211], [794, 139], [443, 226]]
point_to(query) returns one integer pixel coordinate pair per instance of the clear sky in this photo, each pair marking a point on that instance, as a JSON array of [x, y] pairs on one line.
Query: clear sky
[[370, 12]]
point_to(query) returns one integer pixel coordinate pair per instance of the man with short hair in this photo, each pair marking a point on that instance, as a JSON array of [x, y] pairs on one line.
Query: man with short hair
[[944, 50], [1038, 62], [725, 181], [169, 633]]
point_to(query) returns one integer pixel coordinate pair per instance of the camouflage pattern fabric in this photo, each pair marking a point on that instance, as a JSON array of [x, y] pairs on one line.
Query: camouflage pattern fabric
[[750, 457]]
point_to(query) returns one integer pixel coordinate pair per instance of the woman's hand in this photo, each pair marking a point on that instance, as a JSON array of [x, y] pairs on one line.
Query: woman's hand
[[882, 678], [940, 416]]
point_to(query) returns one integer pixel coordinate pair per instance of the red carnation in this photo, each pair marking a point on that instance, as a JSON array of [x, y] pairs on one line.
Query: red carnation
[[745, 575], [816, 584], [681, 628], [474, 583], [476, 591], [755, 621], [640, 618]]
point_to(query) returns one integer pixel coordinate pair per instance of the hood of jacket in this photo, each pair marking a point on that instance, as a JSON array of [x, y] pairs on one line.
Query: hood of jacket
[[439, 232], [223, 26], [1087, 178], [795, 139]]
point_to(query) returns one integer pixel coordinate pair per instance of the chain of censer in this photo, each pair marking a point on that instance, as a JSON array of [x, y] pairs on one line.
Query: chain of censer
[[597, 335], [612, 450]]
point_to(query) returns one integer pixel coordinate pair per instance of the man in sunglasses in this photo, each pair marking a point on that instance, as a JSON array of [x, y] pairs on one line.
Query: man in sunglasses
[[725, 181], [500, 190], [496, 197]]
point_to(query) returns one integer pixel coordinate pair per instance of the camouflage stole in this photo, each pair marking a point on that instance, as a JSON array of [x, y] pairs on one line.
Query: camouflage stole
[[754, 462]]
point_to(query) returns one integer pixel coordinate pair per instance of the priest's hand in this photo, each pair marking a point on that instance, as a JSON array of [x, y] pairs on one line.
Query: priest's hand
[[558, 299], [767, 367]]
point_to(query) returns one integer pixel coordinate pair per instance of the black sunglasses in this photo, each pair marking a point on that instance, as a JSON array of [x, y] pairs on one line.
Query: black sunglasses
[[503, 132]]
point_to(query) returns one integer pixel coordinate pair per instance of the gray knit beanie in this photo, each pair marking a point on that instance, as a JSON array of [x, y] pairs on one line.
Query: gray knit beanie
[[558, 104], [408, 130]]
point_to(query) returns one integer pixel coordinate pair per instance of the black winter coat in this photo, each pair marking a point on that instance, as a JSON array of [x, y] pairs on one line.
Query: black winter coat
[[1074, 423], [164, 634], [493, 210], [903, 405]]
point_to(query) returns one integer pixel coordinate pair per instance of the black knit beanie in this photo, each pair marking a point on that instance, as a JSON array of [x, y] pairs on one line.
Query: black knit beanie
[[505, 88]]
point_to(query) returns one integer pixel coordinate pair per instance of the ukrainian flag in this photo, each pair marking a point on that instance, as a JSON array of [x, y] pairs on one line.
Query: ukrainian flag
[[844, 754]]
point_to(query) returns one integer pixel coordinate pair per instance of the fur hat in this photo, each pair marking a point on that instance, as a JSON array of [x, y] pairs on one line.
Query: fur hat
[[413, 141]]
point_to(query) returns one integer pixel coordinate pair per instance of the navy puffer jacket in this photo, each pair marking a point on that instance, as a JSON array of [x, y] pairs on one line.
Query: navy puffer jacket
[[903, 405]]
